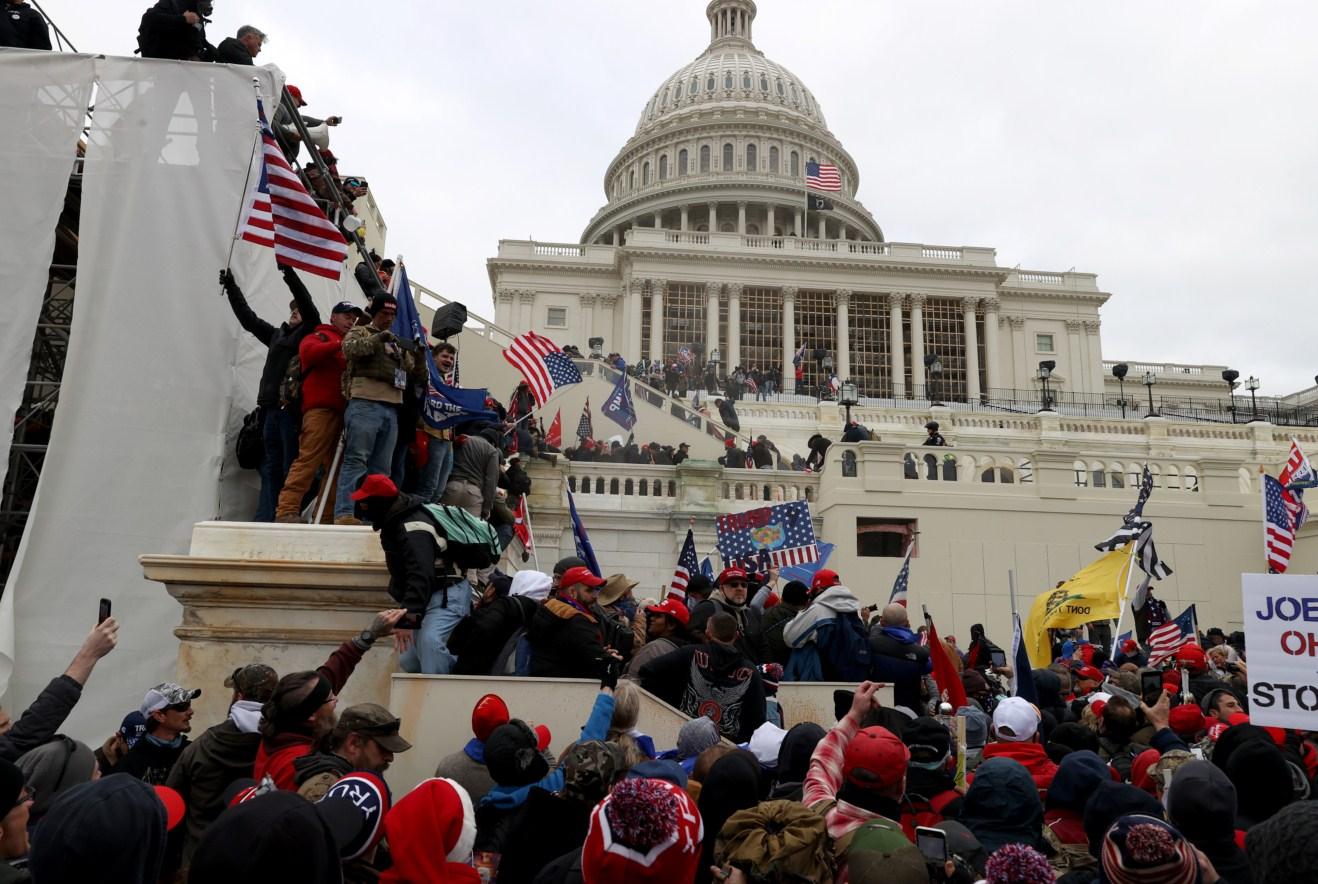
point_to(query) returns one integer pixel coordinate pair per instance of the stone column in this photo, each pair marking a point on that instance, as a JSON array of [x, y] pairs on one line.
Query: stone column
[[1021, 372], [769, 224], [841, 230], [658, 220], [992, 368], [800, 224], [607, 324], [823, 226], [897, 344], [684, 217], [588, 322], [972, 348], [842, 360], [632, 312], [789, 337], [711, 317], [1094, 356], [503, 308], [917, 342], [527, 299], [1075, 371], [733, 350], [713, 217], [741, 217], [657, 319]]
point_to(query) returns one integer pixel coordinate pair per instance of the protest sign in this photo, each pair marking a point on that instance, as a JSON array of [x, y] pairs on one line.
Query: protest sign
[[1281, 634]]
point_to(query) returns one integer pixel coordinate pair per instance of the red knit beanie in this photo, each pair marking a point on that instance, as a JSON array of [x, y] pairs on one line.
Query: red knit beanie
[[643, 831]]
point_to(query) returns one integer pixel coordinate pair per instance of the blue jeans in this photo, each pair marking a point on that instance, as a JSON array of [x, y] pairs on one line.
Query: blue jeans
[[429, 653], [279, 431], [370, 429], [434, 476]]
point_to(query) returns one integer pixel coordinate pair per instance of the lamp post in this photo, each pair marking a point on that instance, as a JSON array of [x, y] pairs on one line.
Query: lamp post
[[1045, 372], [1119, 372], [1229, 375], [1149, 381], [848, 394], [1252, 384], [934, 370]]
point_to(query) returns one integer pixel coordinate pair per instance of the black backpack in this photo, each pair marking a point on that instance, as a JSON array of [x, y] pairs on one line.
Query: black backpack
[[250, 447]]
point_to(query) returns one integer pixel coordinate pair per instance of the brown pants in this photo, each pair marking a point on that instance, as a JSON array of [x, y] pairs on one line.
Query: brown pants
[[463, 494], [320, 437]]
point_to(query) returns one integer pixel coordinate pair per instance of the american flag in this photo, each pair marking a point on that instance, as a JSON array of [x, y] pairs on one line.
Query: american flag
[[1165, 638], [822, 177], [798, 355], [1278, 529], [280, 214], [542, 363], [687, 564], [584, 428], [899, 585], [784, 529], [1134, 527], [1297, 469], [685, 355]]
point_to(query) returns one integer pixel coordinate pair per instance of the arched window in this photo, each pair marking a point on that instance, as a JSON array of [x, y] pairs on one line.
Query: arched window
[[681, 161], [753, 229], [796, 97], [727, 79], [752, 158], [782, 93], [695, 85], [727, 227], [663, 167], [709, 83], [704, 157], [764, 83], [677, 93], [727, 157], [746, 80], [796, 164], [773, 159], [645, 173]]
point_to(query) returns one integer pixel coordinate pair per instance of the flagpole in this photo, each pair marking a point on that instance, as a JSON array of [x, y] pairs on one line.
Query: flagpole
[[526, 513], [1121, 614], [1263, 517], [323, 498], [1015, 621], [247, 181]]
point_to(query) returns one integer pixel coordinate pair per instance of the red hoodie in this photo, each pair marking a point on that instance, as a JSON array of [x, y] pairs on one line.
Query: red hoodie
[[1031, 755], [436, 814], [321, 357]]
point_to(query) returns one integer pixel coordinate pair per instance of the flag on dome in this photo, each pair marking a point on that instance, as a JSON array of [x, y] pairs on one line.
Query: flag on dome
[[279, 213], [821, 176], [817, 203], [542, 363]]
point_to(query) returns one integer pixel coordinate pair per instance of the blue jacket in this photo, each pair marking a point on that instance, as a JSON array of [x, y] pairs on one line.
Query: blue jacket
[[596, 728]]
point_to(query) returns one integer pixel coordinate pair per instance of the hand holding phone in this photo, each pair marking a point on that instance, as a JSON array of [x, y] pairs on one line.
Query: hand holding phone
[[932, 844], [104, 613]]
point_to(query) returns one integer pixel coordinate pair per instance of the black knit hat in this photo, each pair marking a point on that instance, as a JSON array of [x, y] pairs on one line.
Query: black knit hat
[[796, 593], [512, 755], [1113, 800], [1284, 850], [929, 741]]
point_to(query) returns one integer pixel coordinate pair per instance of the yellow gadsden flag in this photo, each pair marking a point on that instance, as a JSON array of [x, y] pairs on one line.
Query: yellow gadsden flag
[[1094, 593]]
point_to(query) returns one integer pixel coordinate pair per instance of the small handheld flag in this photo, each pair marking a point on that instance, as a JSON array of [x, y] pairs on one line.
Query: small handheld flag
[[555, 435], [585, 430], [686, 567], [619, 407], [585, 551], [898, 596], [542, 363]]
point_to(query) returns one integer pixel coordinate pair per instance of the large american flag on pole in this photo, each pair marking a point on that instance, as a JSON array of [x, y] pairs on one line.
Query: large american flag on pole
[[822, 177], [542, 363], [687, 564], [784, 529], [1278, 529], [899, 585], [280, 214], [1165, 638]]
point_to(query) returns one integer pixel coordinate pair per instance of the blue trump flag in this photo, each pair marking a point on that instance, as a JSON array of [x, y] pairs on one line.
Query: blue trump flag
[[619, 407], [1022, 679], [805, 573], [707, 569], [444, 406], [585, 551]]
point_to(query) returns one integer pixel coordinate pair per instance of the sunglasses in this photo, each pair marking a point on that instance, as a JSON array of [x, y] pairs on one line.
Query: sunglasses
[[741, 583], [178, 707]]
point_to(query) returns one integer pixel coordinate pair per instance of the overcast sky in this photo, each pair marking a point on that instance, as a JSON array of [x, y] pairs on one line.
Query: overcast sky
[[1171, 148]]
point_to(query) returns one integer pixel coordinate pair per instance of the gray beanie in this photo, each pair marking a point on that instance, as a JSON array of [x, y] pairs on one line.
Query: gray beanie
[[696, 736], [55, 767]]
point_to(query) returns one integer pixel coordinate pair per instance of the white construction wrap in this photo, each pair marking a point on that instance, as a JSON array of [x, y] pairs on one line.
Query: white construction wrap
[[157, 379]]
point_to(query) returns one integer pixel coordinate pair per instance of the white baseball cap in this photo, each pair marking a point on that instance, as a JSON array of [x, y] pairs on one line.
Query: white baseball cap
[[167, 694], [1016, 720]]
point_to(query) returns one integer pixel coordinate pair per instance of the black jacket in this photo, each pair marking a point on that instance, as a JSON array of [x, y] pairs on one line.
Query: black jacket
[[734, 457], [110, 830], [749, 620], [231, 51], [317, 763], [712, 679], [480, 638], [410, 540], [42, 720], [282, 341], [150, 762], [546, 822], [23, 27], [901, 663], [566, 642], [762, 455], [165, 33], [728, 414], [775, 621], [205, 769]]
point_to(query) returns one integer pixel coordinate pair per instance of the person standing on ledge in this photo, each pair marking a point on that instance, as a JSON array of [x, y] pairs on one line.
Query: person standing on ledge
[[935, 437]]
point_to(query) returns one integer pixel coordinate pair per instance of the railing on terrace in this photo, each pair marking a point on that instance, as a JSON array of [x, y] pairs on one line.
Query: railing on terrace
[[590, 481], [662, 236]]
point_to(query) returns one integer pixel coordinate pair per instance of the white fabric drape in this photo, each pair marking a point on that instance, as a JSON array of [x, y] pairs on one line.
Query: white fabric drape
[[42, 103], [149, 384]]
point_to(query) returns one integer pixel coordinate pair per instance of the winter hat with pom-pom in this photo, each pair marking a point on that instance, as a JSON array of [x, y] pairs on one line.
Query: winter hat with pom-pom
[[645, 830]]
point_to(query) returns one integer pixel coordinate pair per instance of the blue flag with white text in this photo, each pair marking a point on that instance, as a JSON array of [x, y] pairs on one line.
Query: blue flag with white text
[[585, 551], [619, 407]]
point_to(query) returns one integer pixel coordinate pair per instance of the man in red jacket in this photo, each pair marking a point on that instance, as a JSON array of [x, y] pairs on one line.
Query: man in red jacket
[[321, 357], [1016, 736]]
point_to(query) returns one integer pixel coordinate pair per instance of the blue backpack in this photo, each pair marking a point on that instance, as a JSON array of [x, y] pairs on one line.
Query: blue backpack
[[840, 652]]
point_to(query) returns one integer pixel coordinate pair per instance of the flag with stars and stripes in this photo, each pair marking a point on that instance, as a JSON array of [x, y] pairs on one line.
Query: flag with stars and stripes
[[585, 429], [687, 565], [542, 363], [1278, 528], [1135, 528], [785, 530], [1297, 472], [280, 214], [898, 596], [822, 176], [1166, 637]]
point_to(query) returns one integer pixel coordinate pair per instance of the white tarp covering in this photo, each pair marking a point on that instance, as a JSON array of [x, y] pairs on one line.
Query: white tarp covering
[[157, 379]]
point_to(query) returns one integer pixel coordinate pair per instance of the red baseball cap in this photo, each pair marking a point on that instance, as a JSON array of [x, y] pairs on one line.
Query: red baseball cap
[[823, 579], [297, 95], [1192, 657], [376, 485], [1088, 672], [733, 573], [542, 736], [1186, 720], [673, 608], [876, 758], [174, 806], [582, 575], [489, 713]]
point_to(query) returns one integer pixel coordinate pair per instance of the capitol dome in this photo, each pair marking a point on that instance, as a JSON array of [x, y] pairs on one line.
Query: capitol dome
[[722, 145]]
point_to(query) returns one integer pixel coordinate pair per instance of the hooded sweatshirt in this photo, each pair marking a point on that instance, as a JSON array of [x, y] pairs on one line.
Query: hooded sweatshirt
[[110, 830], [1002, 806], [712, 679], [1202, 804], [427, 818], [1080, 773], [832, 621], [221, 755], [898, 658], [794, 759], [1030, 754], [733, 784], [53, 769]]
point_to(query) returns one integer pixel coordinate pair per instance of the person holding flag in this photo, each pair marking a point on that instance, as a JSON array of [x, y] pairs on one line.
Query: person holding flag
[[439, 442], [619, 407]]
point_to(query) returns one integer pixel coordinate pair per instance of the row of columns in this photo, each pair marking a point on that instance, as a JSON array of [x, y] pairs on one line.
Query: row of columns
[[687, 219]]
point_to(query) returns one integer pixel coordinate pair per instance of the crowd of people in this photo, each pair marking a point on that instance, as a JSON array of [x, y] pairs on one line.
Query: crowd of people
[[1118, 771]]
